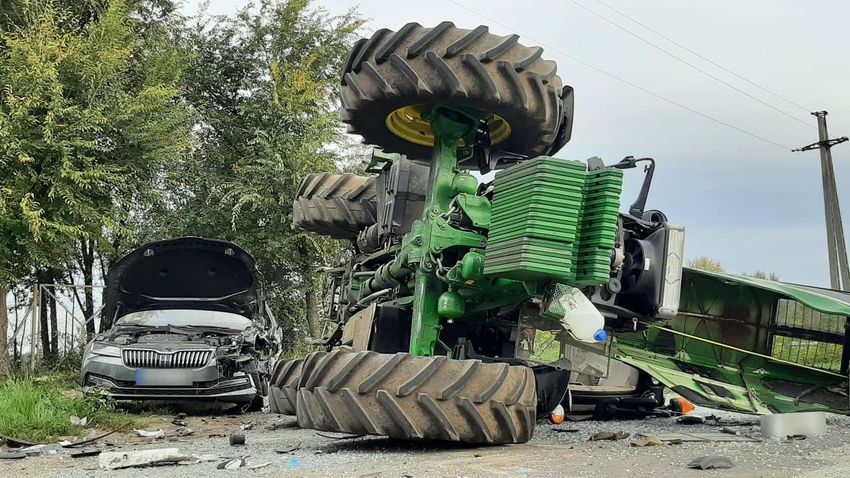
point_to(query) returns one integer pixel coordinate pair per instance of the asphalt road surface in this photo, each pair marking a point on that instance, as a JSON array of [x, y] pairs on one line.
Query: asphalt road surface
[[289, 451]]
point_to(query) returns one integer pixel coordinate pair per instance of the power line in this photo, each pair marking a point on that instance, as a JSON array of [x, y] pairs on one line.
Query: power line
[[708, 60], [689, 64], [623, 80]]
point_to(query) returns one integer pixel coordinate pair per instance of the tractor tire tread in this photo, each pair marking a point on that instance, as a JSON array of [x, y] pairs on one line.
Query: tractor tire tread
[[402, 396], [335, 205], [282, 386], [453, 66]]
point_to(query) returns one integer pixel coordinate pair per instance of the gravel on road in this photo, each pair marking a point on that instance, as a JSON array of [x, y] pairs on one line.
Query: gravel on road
[[290, 451]]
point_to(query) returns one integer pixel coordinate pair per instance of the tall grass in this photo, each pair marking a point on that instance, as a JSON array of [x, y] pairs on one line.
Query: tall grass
[[39, 410]]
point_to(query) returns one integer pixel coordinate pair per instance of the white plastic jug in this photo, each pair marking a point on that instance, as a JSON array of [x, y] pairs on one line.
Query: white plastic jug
[[581, 319]]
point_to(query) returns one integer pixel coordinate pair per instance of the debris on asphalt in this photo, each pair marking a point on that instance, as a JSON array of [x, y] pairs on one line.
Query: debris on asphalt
[[179, 423], [283, 451], [795, 437], [11, 455], [114, 460], [259, 465], [150, 434], [231, 464], [706, 437], [33, 450], [13, 442], [720, 421], [681, 406], [237, 439], [344, 437], [85, 452], [556, 417], [691, 420], [184, 432], [180, 416], [68, 444], [79, 422], [600, 436], [565, 430], [277, 424], [248, 426], [651, 440], [730, 431], [711, 463]]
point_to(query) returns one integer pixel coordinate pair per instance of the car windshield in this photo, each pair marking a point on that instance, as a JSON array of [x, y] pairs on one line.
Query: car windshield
[[184, 318]]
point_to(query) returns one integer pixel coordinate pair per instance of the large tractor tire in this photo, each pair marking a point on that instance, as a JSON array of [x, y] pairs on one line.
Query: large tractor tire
[[417, 398], [283, 386], [392, 77], [335, 205]]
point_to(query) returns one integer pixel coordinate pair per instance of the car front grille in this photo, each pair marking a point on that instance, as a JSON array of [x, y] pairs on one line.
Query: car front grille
[[155, 359]]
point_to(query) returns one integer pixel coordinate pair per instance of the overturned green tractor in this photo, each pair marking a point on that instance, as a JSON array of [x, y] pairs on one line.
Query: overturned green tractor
[[453, 318]]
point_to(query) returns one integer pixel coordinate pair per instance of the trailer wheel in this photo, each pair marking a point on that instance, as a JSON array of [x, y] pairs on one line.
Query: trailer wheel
[[402, 396], [335, 205], [390, 79], [283, 385]]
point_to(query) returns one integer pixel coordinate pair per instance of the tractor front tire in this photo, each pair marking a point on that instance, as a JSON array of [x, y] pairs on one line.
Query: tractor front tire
[[335, 205], [417, 398], [392, 77], [283, 386]]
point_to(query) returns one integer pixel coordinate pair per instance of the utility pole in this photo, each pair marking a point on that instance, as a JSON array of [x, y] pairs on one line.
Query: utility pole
[[839, 272]]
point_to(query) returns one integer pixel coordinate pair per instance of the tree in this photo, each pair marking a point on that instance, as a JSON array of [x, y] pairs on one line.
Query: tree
[[263, 86], [89, 119], [764, 275], [706, 264]]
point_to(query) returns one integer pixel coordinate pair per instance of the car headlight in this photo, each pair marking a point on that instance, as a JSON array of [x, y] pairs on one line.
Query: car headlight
[[105, 350]]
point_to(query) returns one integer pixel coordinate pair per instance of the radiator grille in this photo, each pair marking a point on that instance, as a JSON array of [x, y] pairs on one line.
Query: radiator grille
[[154, 359]]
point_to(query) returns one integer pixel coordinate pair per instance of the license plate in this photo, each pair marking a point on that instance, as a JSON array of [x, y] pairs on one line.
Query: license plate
[[159, 377]]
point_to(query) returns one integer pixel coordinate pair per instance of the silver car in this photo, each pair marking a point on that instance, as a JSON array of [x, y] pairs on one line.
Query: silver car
[[189, 323]]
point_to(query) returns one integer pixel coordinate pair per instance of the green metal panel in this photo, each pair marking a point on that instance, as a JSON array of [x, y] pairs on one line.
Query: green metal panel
[[721, 350], [553, 220]]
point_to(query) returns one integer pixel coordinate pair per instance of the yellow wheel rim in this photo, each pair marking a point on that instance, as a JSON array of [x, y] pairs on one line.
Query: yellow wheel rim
[[407, 124]]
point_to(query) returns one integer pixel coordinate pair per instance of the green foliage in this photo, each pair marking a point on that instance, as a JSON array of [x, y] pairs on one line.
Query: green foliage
[[88, 119], [40, 409], [764, 275], [706, 264], [122, 122], [263, 86]]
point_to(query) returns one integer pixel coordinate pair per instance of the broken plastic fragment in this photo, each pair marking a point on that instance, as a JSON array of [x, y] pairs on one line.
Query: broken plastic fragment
[[651, 440], [150, 434], [556, 416], [681, 405], [79, 422], [711, 463], [231, 464]]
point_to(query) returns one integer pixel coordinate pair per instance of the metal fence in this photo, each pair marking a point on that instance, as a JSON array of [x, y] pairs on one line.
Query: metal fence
[[807, 337], [25, 328]]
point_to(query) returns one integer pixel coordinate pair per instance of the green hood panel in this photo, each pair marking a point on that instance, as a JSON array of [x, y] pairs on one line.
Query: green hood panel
[[748, 344], [827, 301]]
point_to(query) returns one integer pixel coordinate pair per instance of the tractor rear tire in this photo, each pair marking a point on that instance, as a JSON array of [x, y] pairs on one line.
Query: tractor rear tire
[[335, 205], [417, 398], [450, 66], [283, 386]]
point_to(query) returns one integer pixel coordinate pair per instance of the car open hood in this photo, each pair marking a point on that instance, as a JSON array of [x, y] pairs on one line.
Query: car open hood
[[187, 273]]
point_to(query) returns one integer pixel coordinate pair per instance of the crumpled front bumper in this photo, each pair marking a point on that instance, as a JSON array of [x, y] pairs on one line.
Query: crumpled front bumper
[[119, 382]]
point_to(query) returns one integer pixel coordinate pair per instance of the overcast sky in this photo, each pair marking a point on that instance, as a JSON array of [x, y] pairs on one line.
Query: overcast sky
[[750, 204]]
